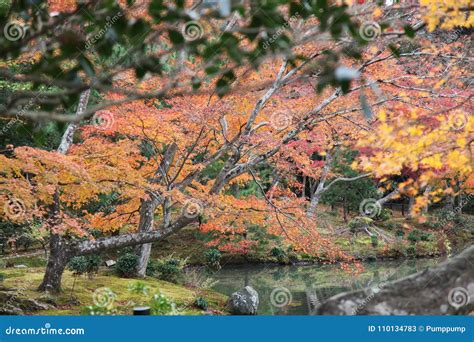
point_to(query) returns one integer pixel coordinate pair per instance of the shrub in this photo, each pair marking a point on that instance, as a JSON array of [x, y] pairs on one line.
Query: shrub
[[170, 268], [213, 257], [138, 287], [359, 222], [85, 265], [398, 249], [152, 268], [384, 215], [400, 233], [2, 277], [198, 278], [97, 310], [3, 264], [126, 265], [278, 253], [374, 240], [417, 235], [78, 265], [426, 248], [201, 303], [393, 225], [161, 305], [411, 251]]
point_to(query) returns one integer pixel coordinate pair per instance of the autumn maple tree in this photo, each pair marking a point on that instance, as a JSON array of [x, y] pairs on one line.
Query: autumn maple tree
[[166, 159]]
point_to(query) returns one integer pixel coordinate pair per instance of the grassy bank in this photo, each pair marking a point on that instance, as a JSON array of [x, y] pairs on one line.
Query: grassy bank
[[25, 281]]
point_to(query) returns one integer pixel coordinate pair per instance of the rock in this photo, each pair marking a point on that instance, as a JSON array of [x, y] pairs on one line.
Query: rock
[[29, 305], [74, 301], [14, 303], [48, 299], [244, 302], [110, 263], [21, 266], [10, 311], [446, 289]]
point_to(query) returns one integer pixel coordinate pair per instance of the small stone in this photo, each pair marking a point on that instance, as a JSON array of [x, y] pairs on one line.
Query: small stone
[[48, 299], [110, 263], [21, 266]]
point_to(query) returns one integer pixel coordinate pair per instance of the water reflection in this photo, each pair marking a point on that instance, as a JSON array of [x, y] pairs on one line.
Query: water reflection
[[298, 290]]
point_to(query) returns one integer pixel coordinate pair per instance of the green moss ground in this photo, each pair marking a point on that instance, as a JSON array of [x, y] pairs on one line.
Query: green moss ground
[[27, 280]]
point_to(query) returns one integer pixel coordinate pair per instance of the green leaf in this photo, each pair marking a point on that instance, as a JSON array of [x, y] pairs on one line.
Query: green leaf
[[409, 31], [395, 50], [176, 37]]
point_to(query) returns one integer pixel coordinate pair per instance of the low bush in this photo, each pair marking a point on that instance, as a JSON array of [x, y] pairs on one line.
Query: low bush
[[213, 257], [278, 253], [170, 268], [138, 287], [126, 265], [400, 233], [359, 222], [161, 305], [201, 303], [417, 235], [411, 251], [374, 240], [85, 265], [384, 215]]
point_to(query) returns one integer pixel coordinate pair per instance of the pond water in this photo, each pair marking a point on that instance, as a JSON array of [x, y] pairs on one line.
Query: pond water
[[297, 290]]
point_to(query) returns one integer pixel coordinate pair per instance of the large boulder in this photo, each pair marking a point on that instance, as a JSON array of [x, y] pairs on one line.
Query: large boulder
[[446, 289], [244, 302]]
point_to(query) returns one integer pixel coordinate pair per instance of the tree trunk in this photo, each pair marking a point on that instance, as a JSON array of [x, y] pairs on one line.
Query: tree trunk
[[385, 199], [147, 212], [147, 209], [61, 251], [58, 257], [426, 193], [57, 261], [411, 202], [316, 196], [442, 290]]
